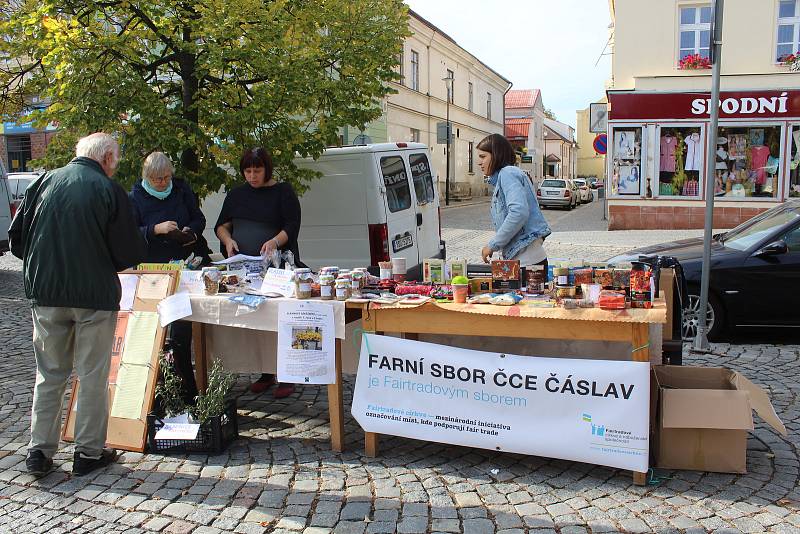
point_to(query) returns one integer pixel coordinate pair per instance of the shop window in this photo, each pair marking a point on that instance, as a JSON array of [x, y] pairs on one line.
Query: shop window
[[626, 169], [680, 162], [788, 41], [470, 90], [694, 33], [748, 162], [471, 158], [415, 135], [794, 165], [19, 152], [398, 193]]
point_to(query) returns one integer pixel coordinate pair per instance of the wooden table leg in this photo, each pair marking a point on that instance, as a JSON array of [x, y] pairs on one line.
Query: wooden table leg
[[640, 345], [371, 444], [200, 356], [336, 404]]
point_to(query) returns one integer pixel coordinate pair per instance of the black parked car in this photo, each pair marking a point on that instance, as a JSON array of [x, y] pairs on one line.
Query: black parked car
[[755, 272]]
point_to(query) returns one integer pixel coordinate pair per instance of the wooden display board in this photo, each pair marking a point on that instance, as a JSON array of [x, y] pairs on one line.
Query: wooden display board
[[135, 378]]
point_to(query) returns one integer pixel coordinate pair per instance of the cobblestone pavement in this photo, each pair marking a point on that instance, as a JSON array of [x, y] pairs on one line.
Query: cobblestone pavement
[[282, 477]]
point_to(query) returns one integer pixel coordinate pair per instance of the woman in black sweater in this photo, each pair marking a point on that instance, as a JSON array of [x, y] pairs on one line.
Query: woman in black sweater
[[257, 218]]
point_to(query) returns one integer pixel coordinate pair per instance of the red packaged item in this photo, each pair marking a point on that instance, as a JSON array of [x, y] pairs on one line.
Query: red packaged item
[[413, 289], [611, 300]]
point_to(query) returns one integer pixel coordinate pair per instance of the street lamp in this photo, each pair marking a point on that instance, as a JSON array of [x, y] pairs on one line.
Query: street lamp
[[449, 84]]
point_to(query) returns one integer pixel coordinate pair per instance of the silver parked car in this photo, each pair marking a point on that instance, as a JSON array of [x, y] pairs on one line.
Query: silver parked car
[[586, 194], [557, 192]]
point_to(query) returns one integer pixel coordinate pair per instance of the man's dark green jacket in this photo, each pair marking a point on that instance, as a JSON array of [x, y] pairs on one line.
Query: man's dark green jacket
[[74, 231]]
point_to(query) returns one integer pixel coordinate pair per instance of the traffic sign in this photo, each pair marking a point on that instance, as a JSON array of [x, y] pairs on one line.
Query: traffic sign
[[600, 143]]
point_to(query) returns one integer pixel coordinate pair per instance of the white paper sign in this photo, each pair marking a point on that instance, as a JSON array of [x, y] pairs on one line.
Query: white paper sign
[[178, 431], [594, 411], [236, 258], [128, 283], [306, 343], [278, 281], [191, 282], [174, 308]]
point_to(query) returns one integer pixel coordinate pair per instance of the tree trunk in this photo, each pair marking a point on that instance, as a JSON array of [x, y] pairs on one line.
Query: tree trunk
[[188, 63]]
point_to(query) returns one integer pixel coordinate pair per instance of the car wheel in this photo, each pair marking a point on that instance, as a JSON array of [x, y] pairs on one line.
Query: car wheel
[[715, 316]]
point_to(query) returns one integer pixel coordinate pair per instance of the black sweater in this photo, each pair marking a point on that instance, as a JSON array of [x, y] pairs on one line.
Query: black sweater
[[273, 208]]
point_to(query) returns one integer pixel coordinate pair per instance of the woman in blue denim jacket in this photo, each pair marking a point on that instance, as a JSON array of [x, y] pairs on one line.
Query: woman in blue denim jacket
[[520, 227]]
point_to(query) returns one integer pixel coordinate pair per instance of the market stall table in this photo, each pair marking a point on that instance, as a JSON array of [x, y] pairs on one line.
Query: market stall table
[[251, 336], [630, 325]]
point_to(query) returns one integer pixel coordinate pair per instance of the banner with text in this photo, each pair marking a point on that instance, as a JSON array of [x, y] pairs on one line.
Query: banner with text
[[594, 411]]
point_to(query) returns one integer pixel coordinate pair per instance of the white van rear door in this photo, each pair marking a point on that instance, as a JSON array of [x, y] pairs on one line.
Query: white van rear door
[[400, 212], [427, 204]]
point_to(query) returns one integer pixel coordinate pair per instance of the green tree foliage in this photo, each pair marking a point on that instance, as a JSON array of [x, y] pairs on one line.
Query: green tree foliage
[[200, 79], [548, 113]]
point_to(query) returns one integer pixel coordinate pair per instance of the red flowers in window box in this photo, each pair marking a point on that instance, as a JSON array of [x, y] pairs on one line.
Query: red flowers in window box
[[694, 62], [791, 60]]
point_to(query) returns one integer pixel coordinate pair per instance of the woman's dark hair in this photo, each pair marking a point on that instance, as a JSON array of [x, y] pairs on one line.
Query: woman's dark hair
[[501, 150], [257, 157]]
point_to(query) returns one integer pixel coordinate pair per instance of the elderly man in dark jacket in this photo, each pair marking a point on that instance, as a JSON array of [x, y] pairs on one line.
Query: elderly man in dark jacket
[[74, 231]]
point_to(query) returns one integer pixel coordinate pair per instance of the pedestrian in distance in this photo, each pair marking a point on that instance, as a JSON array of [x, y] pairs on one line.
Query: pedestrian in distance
[[74, 231], [520, 227], [168, 215], [257, 218]]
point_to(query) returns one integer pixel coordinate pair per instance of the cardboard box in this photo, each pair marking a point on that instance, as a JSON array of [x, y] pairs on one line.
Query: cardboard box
[[703, 416]]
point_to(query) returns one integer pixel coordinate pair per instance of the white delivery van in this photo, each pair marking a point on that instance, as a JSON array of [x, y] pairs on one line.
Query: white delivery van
[[372, 203], [5, 210]]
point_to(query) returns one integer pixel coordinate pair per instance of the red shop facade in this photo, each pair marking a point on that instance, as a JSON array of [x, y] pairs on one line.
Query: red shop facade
[[658, 153]]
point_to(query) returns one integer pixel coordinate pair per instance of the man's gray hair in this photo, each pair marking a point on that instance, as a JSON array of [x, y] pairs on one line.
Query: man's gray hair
[[96, 146], [157, 164]]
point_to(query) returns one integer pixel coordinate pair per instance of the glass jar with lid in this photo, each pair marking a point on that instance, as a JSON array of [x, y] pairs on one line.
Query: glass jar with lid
[[303, 281], [342, 288], [326, 287]]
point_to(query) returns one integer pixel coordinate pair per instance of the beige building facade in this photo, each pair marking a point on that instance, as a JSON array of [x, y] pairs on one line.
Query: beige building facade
[[476, 105], [590, 163], [659, 112]]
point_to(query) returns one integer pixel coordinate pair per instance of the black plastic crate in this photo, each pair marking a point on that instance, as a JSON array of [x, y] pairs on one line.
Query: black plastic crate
[[214, 435]]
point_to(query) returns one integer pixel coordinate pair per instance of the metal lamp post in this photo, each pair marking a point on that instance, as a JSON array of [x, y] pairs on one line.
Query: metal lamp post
[[449, 84], [701, 340]]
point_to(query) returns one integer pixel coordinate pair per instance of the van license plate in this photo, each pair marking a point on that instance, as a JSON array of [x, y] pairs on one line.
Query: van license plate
[[402, 243]]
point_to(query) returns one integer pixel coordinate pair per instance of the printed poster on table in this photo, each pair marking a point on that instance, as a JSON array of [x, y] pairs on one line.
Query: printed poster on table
[[306, 343], [594, 411]]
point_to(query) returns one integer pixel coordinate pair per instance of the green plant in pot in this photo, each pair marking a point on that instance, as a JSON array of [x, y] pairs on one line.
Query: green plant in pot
[[210, 403]]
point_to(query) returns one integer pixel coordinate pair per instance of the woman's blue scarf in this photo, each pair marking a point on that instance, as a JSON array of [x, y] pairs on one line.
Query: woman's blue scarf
[[160, 195]]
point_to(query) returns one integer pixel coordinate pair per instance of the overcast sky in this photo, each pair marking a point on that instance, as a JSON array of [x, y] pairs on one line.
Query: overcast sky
[[537, 44]]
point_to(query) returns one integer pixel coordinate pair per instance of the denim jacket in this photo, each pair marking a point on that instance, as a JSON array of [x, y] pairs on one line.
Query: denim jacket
[[517, 219]]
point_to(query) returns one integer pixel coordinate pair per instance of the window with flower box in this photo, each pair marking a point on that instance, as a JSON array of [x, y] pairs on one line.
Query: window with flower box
[[694, 32], [788, 39]]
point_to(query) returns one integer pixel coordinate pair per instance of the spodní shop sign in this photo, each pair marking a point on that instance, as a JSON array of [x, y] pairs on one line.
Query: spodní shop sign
[[594, 411], [732, 105]]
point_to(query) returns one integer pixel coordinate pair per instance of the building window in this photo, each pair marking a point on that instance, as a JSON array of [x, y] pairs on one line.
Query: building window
[[19, 152], [695, 31], [471, 158], [788, 29], [414, 135], [415, 70], [489, 106], [449, 82], [401, 67], [469, 100]]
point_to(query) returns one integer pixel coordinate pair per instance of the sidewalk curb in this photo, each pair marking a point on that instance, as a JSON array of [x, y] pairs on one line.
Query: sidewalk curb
[[458, 204]]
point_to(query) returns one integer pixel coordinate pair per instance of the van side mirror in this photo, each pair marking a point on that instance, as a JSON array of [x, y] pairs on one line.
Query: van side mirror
[[775, 248]]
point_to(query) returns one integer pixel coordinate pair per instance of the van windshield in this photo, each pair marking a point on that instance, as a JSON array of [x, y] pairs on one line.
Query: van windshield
[[554, 183], [423, 180], [398, 193]]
